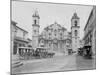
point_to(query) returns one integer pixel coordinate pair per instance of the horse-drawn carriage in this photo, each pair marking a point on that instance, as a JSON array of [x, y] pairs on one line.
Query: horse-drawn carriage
[[25, 52], [40, 52]]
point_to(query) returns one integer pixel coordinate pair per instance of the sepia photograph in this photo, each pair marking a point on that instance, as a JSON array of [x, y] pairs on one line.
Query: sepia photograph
[[52, 37]]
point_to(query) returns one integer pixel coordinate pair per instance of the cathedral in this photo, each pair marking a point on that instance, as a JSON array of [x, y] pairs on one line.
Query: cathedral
[[55, 37]]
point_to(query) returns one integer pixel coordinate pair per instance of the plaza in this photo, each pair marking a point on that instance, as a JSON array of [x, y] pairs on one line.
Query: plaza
[[58, 63]]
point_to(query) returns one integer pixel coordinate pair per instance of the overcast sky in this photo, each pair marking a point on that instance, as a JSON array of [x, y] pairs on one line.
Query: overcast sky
[[49, 13]]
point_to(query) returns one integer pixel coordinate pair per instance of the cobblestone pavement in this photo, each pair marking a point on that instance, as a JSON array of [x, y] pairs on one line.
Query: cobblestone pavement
[[58, 63]]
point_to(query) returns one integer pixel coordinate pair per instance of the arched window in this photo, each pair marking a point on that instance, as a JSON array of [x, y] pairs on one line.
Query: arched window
[[75, 32], [75, 23]]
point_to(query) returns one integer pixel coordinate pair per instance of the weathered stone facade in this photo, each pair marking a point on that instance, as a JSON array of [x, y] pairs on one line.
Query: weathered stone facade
[[54, 37]]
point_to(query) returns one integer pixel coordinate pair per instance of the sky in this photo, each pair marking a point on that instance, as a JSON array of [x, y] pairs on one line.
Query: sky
[[49, 13]]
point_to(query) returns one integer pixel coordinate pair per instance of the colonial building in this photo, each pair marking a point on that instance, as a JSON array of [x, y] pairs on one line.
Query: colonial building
[[90, 31], [75, 32], [35, 31], [18, 37], [54, 37]]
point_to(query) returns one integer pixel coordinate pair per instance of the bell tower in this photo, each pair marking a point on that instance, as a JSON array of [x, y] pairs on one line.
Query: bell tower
[[75, 32], [35, 29]]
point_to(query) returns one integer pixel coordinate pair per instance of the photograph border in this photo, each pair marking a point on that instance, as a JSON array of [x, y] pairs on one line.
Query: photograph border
[[45, 3]]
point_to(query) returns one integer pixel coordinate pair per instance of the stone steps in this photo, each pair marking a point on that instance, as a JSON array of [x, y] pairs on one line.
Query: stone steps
[[17, 64]]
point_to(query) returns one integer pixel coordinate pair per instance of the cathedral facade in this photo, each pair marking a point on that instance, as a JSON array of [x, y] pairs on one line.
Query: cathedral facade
[[56, 37]]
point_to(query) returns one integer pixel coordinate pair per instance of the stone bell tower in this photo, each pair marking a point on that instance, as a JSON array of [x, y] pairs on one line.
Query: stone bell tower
[[35, 29], [75, 32]]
